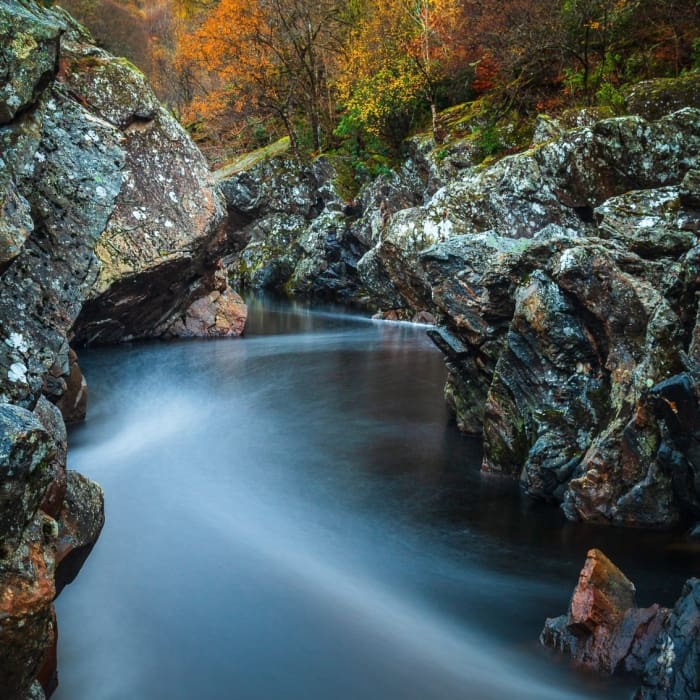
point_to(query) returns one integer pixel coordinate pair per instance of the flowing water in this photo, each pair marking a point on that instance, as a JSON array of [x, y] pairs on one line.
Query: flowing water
[[292, 515]]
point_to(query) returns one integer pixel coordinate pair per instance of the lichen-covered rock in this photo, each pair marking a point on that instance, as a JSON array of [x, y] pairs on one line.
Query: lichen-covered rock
[[672, 671], [300, 236], [557, 336], [15, 218], [68, 166], [29, 41], [87, 156], [649, 223], [557, 183], [555, 345], [52, 421], [26, 452], [166, 228], [328, 262], [689, 190], [604, 630], [653, 98]]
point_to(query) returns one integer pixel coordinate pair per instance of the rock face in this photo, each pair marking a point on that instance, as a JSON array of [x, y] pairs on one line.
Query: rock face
[[672, 670], [159, 249], [564, 278], [605, 631], [298, 232], [110, 228], [567, 325]]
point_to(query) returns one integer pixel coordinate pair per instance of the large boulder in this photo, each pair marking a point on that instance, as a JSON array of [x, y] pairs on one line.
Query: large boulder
[[166, 233]]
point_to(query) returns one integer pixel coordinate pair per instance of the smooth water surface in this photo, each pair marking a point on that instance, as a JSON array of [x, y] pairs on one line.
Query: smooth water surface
[[292, 515]]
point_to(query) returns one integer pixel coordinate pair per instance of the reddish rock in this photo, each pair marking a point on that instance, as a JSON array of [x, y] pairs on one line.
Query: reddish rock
[[73, 402], [26, 610], [218, 314], [79, 525], [602, 596], [604, 630]]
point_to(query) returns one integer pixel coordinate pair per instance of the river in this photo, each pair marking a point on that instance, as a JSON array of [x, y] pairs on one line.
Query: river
[[292, 515]]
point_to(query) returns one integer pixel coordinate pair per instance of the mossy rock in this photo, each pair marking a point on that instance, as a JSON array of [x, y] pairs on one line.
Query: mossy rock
[[653, 99]]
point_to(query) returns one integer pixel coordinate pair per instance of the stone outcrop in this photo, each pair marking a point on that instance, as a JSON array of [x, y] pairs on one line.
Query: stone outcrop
[[111, 227], [604, 630], [567, 324], [298, 232], [159, 249]]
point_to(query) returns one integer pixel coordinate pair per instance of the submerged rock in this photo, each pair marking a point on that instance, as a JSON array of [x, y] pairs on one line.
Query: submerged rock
[[604, 630]]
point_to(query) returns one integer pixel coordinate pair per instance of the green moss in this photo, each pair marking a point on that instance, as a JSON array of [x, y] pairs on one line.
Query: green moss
[[248, 160], [345, 182]]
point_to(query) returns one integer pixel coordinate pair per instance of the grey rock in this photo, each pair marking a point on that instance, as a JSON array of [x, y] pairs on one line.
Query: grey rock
[[671, 672], [29, 42], [26, 453]]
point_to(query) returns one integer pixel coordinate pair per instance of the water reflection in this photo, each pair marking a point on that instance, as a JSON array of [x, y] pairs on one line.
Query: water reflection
[[292, 515]]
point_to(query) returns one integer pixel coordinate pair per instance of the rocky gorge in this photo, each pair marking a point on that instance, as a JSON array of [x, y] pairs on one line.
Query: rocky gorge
[[562, 281]]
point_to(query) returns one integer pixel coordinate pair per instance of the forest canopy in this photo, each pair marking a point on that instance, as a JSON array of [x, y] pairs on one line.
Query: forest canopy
[[363, 74]]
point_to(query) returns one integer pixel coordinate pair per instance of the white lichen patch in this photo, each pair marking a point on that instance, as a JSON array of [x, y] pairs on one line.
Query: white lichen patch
[[17, 372], [17, 342], [100, 191], [647, 222], [667, 656], [567, 260]]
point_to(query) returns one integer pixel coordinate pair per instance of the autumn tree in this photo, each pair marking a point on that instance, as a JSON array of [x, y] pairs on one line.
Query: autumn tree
[[515, 49], [398, 52], [266, 58], [592, 30]]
